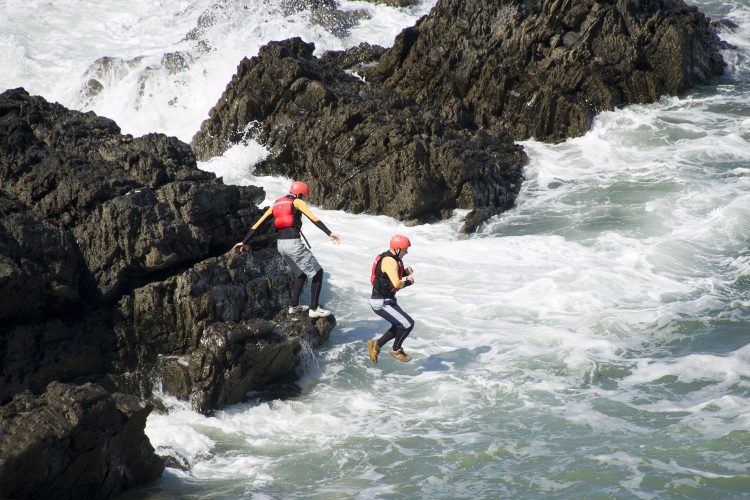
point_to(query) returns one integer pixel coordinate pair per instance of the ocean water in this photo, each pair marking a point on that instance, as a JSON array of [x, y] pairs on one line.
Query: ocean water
[[593, 342]]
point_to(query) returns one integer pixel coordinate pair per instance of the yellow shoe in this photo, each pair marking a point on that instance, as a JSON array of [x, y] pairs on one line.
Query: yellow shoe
[[373, 350], [400, 355]]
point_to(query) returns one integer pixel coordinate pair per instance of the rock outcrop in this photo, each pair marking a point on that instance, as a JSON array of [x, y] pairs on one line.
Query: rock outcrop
[[234, 358], [113, 260], [362, 148], [427, 126], [545, 69], [74, 442], [215, 331]]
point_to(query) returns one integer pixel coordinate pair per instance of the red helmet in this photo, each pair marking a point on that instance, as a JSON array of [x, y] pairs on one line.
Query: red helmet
[[400, 241], [299, 187]]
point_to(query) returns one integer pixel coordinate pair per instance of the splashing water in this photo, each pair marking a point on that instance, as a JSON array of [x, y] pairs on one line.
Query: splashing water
[[593, 341]]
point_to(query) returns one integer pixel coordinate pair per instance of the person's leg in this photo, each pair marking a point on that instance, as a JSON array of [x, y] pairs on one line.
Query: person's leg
[[401, 323], [286, 249], [404, 327], [315, 287], [299, 284], [306, 261], [387, 336], [401, 336]]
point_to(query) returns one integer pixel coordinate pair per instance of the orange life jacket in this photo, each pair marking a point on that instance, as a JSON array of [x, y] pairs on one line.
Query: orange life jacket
[[284, 213], [381, 283]]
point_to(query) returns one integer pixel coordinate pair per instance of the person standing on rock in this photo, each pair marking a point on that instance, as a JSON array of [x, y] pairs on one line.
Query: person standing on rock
[[388, 277], [287, 214]]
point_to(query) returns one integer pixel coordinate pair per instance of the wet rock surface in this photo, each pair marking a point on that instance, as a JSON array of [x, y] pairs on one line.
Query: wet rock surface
[[74, 442], [113, 257], [428, 125], [545, 69], [362, 148]]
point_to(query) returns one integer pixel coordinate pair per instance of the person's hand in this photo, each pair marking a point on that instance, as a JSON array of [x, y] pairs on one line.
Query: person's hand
[[335, 238], [240, 247], [410, 279], [409, 271]]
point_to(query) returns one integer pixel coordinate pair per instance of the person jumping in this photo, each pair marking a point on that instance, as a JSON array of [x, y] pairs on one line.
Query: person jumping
[[388, 277], [287, 215]]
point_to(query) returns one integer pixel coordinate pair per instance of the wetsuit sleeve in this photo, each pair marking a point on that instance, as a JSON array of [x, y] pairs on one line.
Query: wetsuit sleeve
[[390, 267], [302, 207], [262, 219]]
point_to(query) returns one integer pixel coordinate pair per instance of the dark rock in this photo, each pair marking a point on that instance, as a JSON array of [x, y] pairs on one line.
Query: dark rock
[[234, 359], [326, 14], [203, 331], [174, 376], [74, 442], [173, 459], [175, 62], [725, 24], [40, 265], [112, 262], [70, 350], [545, 69], [168, 317], [104, 69], [362, 149], [427, 126], [353, 59], [96, 222]]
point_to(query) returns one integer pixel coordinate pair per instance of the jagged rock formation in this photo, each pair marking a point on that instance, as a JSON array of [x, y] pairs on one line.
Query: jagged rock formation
[[430, 126], [113, 259], [362, 148], [233, 358], [74, 442], [215, 331], [545, 69]]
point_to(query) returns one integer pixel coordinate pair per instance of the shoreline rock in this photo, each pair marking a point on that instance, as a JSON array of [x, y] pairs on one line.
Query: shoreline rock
[[545, 69], [362, 148], [113, 256], [74, 442], [427, 126]]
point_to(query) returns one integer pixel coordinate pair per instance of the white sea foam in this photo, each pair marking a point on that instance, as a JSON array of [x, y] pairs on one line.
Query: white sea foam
[[599, 325], [142, 92]]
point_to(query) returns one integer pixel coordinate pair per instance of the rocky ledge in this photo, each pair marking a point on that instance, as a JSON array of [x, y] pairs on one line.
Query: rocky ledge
[[114, 270], [74, 442], [428, 125]]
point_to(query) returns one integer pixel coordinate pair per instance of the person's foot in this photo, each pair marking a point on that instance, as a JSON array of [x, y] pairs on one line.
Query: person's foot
[[298, 309], [373, 350], [319, 312], [400, 355]]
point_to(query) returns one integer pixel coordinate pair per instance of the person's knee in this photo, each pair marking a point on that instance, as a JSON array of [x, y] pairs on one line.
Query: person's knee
[[302, 277], [406, 323]]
